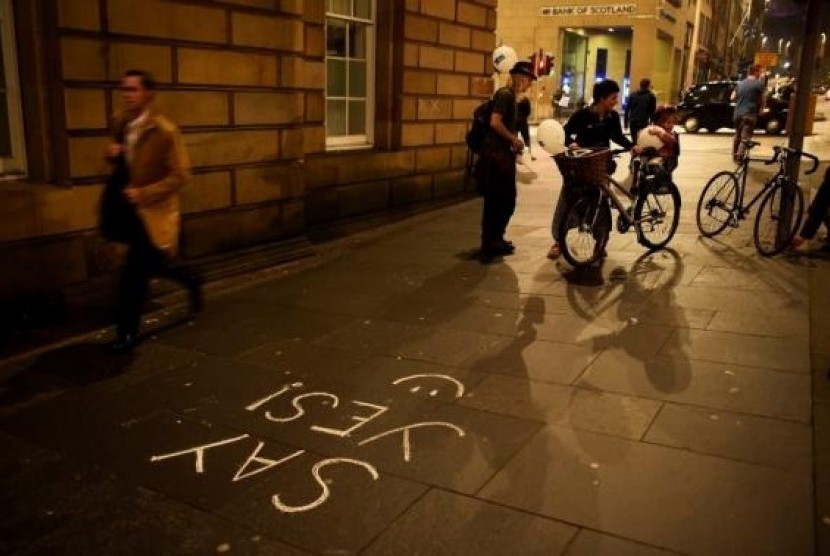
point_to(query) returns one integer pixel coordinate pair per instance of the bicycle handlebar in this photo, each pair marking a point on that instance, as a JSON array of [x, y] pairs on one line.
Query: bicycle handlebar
[[777, 150]]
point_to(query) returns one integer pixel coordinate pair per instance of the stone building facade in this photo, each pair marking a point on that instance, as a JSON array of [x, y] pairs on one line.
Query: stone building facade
[[250, 82], [624, 40]]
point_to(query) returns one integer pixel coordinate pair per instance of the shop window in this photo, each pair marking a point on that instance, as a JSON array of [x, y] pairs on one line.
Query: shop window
[[12, 146], [350, 72]]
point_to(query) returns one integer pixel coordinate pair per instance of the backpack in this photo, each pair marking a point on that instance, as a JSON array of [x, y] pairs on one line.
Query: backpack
[[481, 125]]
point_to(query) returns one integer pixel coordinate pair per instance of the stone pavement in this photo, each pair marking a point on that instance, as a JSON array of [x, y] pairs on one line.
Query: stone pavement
[[398, 397]]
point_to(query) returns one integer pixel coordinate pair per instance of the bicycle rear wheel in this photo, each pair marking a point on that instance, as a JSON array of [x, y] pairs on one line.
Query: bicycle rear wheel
[[768, 239], [656, 217], [717, 204], [584, 230]]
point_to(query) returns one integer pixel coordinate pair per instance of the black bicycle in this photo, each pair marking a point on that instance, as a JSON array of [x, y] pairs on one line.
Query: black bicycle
[[654, 211], [722, 205]]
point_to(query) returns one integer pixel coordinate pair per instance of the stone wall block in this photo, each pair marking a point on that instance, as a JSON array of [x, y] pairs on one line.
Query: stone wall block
[[414, 135], [411, 190], [471, 14], [187, 108], [201, 66], [419, 82], [481, 86], [484, 41], [292, 143], [453, 35], [86, 156], [452, 133], [471, 62], [210, 191], [429, 160], [171, 20], [452, 84], [445, 9], [155, 59], [79, 15], [435, 58], [85, 109], [434, 109], [276, 33], [462, 109], [363, 198], [83, 59], [303, 74], [420, 29], [269, 183], [232, 147], [449, 183], [268, 108]]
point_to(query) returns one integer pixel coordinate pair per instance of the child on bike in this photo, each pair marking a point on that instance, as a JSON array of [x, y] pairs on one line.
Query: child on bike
[[661, 137], [662, 128]]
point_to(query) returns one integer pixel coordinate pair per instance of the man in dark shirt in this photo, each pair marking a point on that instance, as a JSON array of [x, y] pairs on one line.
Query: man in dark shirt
[[495, 170], [749, 101], [592, 127], [640, 108]]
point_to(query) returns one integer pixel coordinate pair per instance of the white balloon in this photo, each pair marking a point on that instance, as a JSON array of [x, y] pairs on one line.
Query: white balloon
[[646, 139], [551, 136], [504, 58]]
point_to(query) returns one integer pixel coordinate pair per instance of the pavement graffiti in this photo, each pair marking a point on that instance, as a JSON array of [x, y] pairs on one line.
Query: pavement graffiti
[[255, 463]]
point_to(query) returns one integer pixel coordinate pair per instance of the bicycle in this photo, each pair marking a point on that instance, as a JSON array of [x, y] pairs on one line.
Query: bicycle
[[721, 202], [653, 211]]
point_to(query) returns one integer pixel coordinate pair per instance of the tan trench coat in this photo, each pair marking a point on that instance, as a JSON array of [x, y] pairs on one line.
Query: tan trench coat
[[159, 168]]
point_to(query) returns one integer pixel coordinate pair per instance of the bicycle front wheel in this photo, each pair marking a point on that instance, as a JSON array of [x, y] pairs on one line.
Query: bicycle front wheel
[[584, 230], [717, 204], [775, 227], [656, 217]]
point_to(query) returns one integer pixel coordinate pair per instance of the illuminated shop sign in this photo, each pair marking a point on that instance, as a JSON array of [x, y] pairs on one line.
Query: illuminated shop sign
[[604, 9]]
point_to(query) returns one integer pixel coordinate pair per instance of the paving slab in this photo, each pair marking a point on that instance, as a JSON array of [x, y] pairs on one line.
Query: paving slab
[[446, 523], [591, 543], [632, 490], [752, 390], [764, 441]]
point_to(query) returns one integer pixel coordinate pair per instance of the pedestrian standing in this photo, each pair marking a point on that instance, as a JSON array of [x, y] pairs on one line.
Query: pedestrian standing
[[157, 167], [495, 169], [639, 109], [749, 100]]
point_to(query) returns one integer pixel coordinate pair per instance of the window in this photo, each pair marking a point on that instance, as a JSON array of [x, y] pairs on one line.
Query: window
[[350, 69], [12, 149]]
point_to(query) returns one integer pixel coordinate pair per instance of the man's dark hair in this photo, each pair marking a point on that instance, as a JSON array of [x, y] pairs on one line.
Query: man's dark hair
[[662, 113], [147, 80], [604, 89], [645, 83]]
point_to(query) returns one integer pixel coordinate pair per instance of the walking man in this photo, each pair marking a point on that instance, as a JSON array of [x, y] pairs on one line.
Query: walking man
[[157, 168], [639, 109], [495, 170], [749, 102]]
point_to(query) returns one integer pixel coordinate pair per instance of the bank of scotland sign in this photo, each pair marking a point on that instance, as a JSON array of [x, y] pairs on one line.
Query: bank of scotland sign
[[604, 9]]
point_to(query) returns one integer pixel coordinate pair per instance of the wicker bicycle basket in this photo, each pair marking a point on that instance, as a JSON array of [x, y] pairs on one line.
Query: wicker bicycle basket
[[589, 169]]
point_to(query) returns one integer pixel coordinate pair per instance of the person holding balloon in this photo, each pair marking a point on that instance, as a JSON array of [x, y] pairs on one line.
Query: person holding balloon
[[495, 170], [592, 127]]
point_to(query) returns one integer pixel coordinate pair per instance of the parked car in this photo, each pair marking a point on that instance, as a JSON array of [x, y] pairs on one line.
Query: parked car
[[708, 106]]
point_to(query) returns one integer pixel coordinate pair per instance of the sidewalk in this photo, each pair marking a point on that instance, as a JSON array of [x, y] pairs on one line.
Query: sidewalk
[[401, 398]]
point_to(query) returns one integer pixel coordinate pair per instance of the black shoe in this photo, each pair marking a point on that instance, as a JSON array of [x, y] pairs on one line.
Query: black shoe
[[197, 300], [502, 247], [124, 343]]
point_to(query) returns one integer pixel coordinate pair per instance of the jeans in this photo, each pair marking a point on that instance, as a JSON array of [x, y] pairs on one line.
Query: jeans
[[496, 177], [744, 128]]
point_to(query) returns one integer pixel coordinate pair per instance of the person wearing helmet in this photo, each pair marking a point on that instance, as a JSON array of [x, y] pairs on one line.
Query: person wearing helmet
[[495, 169]]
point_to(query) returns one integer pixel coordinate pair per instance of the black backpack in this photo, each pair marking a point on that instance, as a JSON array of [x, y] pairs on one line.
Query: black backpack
[[481, 125]]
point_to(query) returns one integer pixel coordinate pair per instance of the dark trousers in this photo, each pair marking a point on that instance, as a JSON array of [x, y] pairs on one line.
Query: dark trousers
[[817, 212], [144, 261], [496, 174]]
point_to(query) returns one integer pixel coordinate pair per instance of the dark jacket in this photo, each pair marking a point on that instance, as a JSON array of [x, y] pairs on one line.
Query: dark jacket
[[588, 130], [640, 108]]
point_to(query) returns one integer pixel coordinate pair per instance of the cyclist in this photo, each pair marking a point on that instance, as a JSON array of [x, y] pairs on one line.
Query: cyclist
[[594, 126]]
